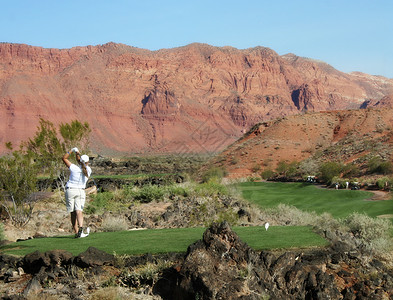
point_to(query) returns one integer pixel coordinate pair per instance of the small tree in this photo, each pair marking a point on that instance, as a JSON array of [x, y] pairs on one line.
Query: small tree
[[287, 169], [47, 148], [329, 170], [75, 134], [267, 174], [18, 177]]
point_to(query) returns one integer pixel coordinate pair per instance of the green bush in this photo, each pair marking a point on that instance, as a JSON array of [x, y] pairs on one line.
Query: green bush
[[211, 188], [18, 178], [267, 174], [379, 166], [177, 190], [99, 203], [214, 173], [287, 169], [385, 183], [329, 170], [147, 193], [351, 170]]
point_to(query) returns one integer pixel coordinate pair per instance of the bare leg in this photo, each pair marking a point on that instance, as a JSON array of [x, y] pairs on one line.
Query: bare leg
[[74, 222], [79, 218]]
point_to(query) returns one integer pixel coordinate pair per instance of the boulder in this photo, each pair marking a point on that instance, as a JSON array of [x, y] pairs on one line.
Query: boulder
[[93, 257]]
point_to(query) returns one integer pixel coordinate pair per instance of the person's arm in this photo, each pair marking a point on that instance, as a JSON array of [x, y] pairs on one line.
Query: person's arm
[[66, 160], [78, 158]]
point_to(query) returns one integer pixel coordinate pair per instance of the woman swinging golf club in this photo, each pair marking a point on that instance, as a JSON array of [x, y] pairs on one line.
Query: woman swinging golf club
[[75, 190]]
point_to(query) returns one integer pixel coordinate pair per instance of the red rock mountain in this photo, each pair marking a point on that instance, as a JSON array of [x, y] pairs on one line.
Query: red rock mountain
[[196, 98]]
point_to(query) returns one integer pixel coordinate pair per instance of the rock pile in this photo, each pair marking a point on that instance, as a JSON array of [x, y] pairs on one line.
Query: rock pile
[[221, 266]]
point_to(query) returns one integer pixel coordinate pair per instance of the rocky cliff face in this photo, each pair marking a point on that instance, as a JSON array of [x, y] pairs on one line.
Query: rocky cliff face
[[196, 98]]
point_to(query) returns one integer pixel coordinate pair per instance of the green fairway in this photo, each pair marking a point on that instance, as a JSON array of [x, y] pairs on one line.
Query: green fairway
[[308, 197], [157, 241]]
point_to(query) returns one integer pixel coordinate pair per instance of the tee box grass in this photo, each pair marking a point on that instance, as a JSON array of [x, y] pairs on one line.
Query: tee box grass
[[158, 241]]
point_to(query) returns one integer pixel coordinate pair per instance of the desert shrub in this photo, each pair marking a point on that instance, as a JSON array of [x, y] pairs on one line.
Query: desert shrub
[[367, 228], [210, 210], [385, 182], [308, 167], [114, 223], [211, 188], [229, 215], [44, 297], [267, 174], [253, 178], [109, 293], [1, 231], [326, 222], [18, 178], [374, 232], [379, 166], [329, 170], [146, 193], [143, 275], [177, 190], [256, 168], [287, 169], [386, 167], [351, 170], [292, 215], [214, 173], [100, 203], [106, 201]]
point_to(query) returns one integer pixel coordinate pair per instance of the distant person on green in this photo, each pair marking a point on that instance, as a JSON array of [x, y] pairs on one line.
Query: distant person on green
[[75, 190]]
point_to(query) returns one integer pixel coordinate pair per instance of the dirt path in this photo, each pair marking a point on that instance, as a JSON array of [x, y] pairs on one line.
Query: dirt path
[[380, 195]]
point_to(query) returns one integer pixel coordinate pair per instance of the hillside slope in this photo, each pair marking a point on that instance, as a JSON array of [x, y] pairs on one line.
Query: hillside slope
[[346, 136], [196, 98]]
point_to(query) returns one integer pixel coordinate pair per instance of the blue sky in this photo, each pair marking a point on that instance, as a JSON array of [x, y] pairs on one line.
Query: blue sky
[[349, 35]]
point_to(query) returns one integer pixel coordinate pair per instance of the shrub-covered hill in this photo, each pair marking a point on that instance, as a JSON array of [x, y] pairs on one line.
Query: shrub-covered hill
[[350, 137]]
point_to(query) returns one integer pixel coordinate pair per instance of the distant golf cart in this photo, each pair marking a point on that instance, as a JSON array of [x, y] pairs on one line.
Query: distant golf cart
[[311, 179], [355, 186]]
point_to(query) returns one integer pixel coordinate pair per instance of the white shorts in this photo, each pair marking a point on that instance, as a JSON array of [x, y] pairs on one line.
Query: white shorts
[[75, 199]]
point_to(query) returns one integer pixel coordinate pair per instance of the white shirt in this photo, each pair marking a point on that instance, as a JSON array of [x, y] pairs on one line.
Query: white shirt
[[77, 178]]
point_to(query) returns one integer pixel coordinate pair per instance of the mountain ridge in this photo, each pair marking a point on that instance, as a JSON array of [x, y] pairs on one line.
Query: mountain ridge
[[192, 99]]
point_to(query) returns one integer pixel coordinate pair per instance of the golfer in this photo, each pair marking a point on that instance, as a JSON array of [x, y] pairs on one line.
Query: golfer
[[75, 190]]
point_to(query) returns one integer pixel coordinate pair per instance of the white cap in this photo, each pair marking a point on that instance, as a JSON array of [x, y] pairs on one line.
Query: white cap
[[84, 158]]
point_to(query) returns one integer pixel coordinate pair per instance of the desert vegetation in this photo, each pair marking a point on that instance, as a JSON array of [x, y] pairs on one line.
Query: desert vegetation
[[376, 174]]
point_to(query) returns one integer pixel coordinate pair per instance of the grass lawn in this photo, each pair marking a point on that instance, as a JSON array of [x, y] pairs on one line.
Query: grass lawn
[[169, 240], [308, 197]]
